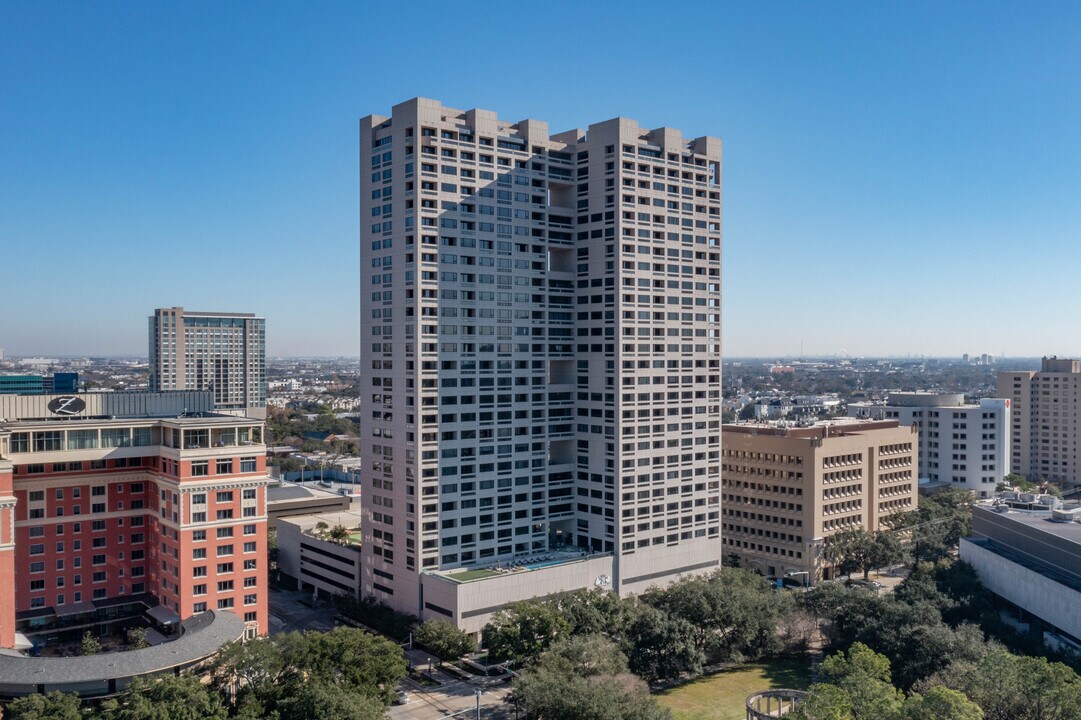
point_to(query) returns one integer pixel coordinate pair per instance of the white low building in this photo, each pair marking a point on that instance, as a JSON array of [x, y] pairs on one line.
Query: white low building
[[964, 444]]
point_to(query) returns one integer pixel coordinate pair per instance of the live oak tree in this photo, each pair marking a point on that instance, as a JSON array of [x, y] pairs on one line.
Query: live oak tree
[[733, 612], [50, 706], [524, 630], [661, 646], [326, 701], [584, 677], [182, 697], [857, 686], [1015, 687], [444, 640]]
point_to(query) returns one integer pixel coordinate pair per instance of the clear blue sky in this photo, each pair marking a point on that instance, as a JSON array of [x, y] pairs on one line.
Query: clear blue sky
[[898, 177]]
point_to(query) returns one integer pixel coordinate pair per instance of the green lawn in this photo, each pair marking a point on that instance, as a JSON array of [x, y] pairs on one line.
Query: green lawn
[[356, 538], [723, 696]]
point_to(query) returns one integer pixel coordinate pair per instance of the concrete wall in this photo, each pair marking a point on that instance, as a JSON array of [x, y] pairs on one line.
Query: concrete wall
[[322, 564], [1052, 602], [472, 603], [118, 404]]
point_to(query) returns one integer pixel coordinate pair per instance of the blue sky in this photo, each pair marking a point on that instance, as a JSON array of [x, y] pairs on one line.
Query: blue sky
[[898, 177]]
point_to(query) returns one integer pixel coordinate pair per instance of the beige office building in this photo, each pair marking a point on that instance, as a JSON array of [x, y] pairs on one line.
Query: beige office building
[[541, 357], [787, 489], [1045, 431]]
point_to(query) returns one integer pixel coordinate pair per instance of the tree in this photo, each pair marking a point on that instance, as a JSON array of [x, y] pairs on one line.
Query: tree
[[263, 674], [823, 702], [356, 660], [325, 701], [733, 612], [849, 550], [321, 528], [168, 697], [660, 646], [444, 640], [864, 676], [338, 533], [941, 703], [584, 678], [1014, 687], [1014, 480], [939, 522], [596, 611], [885, 550], [50, 706], [797, 630], [376, 615], [137, 638], [90, 645], [257, 673], [523, 631]]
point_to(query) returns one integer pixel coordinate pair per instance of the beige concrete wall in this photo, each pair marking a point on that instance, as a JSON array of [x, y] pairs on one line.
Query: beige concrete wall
[[474, 602]]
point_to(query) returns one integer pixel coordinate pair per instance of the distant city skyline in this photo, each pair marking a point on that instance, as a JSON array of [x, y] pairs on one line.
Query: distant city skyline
[[898, 179]]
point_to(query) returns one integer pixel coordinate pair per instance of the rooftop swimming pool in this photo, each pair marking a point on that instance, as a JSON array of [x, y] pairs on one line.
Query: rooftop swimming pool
[[546, 563]]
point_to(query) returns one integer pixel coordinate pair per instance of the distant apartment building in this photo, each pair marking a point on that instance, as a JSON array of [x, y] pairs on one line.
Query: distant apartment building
[[123, 503], [964, 444], [1045, 420], [224, 353], [541, 358], [788, 488]]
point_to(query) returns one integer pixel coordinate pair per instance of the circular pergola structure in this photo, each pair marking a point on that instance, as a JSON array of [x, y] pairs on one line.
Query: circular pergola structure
[[97, 676], [769, 704]]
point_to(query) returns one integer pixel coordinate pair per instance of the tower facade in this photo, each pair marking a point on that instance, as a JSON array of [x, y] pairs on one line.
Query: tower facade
[[1045, 428], [224, 353], [541, 357]]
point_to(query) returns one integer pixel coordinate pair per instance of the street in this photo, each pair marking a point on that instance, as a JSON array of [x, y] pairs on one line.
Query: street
[[423, 703], [452, 697]]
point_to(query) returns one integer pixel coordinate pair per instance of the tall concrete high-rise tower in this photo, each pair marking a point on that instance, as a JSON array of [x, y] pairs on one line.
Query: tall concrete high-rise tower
[[1045, 428], [221, 352], [541, 358]]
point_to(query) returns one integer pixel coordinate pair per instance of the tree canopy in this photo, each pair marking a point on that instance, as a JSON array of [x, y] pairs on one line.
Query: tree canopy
[[444, 640], [584, 677]]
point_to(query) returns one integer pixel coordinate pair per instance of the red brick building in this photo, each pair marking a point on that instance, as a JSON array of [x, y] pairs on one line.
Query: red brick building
[[114, 505]]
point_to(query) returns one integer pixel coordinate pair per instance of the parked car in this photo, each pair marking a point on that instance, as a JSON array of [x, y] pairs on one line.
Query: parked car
[[400, 697]]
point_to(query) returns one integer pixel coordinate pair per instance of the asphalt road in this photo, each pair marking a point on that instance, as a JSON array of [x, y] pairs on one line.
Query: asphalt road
[[452, 698], [287, 614]]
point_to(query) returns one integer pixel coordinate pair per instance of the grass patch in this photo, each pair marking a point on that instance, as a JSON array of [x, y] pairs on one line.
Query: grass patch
[[723, 696], [356, 538]]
